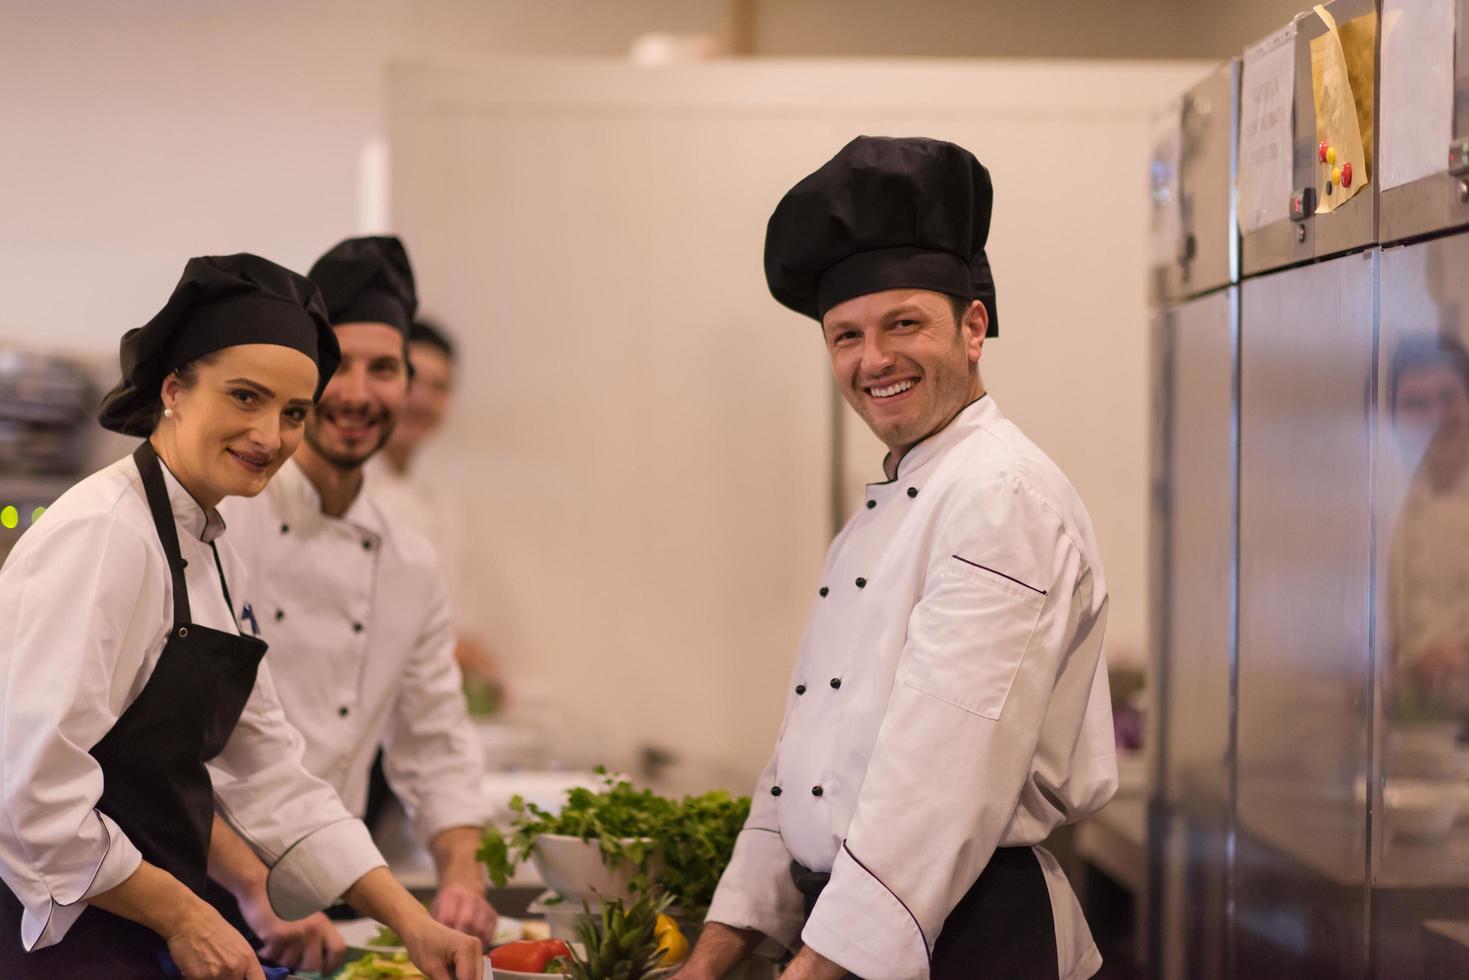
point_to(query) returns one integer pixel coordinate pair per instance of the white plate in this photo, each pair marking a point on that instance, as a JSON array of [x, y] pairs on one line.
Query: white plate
[[358, 934]]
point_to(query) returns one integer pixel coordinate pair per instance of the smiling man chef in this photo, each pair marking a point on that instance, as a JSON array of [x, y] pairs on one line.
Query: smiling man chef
[[361, 636], [949, 704]]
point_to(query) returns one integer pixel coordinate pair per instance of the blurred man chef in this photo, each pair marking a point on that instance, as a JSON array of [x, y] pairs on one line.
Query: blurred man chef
[[949, 703], [359, 623], [399, 486]]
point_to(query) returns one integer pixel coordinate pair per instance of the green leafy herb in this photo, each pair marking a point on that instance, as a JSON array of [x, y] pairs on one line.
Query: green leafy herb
[[376, 967], [385, 937], [694, 837]]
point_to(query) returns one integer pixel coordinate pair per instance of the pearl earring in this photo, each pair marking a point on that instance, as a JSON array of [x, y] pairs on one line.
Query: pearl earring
[[168, 413]]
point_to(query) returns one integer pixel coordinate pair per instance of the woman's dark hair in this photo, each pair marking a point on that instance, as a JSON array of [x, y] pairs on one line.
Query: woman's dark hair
[[1426, 350], [188, 374]]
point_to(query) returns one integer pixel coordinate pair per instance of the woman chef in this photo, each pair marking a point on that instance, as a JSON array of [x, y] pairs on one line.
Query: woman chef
[[123, 671]]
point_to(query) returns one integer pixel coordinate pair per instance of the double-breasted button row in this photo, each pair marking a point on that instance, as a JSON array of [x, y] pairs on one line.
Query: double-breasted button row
[[912, 492], [775, 790], [836, 682], [824, 591]]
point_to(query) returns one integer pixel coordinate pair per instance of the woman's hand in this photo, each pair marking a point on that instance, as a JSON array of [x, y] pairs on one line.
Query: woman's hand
[[443, 953], [440, 952], [202, 944], [305, 945], [205, 947]]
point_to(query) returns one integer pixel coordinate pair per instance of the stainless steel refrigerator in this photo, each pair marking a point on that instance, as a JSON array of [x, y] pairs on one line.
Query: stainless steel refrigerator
[[1341, 848], [1195, 341]]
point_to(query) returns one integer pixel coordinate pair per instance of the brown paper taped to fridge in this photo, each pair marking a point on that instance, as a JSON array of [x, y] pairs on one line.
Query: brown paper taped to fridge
[[1342, 83]]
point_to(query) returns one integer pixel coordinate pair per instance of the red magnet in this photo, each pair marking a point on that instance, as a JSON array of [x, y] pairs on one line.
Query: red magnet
[[1321, 151], [1346, 174]]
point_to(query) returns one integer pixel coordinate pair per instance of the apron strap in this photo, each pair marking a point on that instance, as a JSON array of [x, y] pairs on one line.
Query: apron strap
[[163, 519], [225, 586]]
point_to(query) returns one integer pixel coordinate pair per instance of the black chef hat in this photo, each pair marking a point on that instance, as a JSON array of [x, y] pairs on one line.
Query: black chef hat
[[367, 280], [883, 213], [220, 301]]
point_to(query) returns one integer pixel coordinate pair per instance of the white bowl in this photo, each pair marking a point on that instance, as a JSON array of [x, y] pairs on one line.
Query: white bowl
[[573, 869]]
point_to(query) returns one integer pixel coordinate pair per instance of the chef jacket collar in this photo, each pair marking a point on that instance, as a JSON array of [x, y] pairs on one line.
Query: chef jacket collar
[[188, 513], [982, 409], [304, 501]]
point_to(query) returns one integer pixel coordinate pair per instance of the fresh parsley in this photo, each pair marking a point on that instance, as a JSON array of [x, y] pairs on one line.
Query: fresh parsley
[[694, 837]]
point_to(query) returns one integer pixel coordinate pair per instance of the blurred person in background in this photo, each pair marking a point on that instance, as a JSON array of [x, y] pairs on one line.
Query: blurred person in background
[[137, 707], [948, 708], [358, 617], [1428, 565], [413, 497]]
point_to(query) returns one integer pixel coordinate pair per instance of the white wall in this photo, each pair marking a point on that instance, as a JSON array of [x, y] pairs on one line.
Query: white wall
[[645, 461], [135, 133]]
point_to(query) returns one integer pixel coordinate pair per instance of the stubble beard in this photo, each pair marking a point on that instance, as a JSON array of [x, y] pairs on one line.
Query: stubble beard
[[342, 461]]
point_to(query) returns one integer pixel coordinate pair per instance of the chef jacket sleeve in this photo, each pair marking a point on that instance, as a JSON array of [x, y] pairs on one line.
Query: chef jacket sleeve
[[985, 644], [76, 618], [294, 821], [431, 754], [755, 891]]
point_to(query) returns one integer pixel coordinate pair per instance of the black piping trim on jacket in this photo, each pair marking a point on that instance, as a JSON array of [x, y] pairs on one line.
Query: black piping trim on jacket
[[54, 904], [275, 865], [1001, 574], [926, 950], [898, 469]]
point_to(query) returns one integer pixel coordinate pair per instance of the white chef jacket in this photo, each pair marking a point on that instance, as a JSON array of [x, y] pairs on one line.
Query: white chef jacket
[[949, 697], [1428, 573], [422, 505], [362, 649], [86, 606]]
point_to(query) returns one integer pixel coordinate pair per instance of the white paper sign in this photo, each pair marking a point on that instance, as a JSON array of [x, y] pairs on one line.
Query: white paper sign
[[1417, 109], [1267, 96]]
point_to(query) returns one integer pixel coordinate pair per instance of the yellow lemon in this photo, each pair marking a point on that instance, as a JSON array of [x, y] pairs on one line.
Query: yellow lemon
[[673, 946]]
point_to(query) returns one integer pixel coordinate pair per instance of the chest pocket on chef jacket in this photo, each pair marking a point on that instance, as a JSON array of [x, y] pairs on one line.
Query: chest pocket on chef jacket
[[968, 637]]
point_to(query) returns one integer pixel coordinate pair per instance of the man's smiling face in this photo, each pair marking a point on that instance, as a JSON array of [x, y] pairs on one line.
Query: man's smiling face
[[902, 362]]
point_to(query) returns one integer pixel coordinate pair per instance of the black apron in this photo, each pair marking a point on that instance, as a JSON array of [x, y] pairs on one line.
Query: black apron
[[1002, 927], [154, 781]]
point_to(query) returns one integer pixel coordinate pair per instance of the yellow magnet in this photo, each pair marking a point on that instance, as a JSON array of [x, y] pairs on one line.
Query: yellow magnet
[[1336, 175], [1331, 155]]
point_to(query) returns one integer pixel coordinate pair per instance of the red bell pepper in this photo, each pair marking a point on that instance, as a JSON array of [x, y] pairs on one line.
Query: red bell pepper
[[528, 956]]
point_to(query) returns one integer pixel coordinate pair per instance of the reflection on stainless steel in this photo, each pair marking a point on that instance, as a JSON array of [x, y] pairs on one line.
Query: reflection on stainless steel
[[1210, 110], [1198, 251], [1304, 615], [1194, 781], [1420, 841]]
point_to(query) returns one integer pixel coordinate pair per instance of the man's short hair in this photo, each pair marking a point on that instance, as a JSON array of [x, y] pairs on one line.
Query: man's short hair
[[960, 306], [428, 332]]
